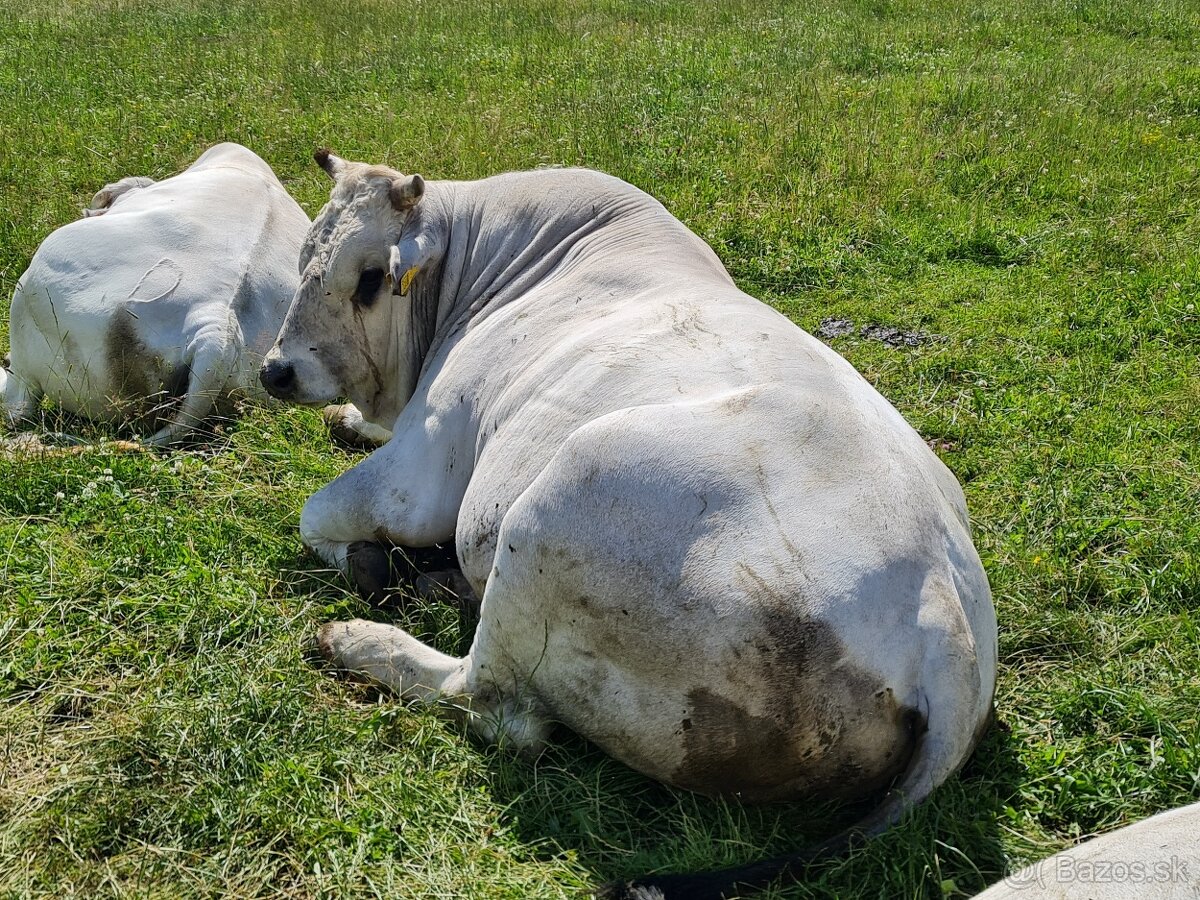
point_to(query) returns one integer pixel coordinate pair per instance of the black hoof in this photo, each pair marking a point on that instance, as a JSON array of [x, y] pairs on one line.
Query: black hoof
[[370, 570], [448, 586]]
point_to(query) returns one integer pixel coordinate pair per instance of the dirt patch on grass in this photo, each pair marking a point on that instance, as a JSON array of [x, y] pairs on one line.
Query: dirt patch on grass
[[832, 327]]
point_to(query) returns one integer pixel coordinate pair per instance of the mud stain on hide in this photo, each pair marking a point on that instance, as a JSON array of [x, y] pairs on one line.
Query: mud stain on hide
[[126, 357], [363, 348], [145, 383], [815, 726]]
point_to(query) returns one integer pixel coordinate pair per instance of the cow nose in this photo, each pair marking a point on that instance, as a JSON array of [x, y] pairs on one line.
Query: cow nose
[[278, 377]]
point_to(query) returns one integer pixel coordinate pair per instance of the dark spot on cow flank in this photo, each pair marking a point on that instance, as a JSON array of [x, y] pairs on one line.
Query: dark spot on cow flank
[[821, 727], [126, 358], [145, 384], [686, 724], [176, 386], [512, 549]]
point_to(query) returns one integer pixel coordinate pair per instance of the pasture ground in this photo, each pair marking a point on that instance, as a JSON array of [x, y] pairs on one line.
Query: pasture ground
[[1017, 179]]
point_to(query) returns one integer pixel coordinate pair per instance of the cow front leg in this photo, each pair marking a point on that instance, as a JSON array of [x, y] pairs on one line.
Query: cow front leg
[[394, 658], [388, 499], [347, 425], [415, 671]]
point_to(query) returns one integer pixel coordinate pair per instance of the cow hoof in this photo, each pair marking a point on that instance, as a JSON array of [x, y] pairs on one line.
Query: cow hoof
[[450, 587], [325, 643], [329, 651], [326, 652], [348, 428], [370, 570]]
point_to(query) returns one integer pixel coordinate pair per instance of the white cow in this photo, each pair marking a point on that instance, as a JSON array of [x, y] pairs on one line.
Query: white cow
[[701, 539], [1155, 859], [159, 304]]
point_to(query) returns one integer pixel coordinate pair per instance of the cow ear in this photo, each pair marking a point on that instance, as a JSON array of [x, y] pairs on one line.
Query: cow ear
[[100, 202], [107, 195], [334, 166], [409, 258], [406, 192]]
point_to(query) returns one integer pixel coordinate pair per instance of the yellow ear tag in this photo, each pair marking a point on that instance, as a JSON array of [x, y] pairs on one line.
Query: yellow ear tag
[[406, 280]]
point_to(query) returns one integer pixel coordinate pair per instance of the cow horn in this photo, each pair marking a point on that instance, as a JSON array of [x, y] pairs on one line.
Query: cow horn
[[333, 165]]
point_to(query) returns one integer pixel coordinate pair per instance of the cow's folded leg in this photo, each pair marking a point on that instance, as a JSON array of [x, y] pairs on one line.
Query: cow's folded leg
[[347, 425], [379, 502], [395, 659], [433, 574], [209, 372], [377, 571]]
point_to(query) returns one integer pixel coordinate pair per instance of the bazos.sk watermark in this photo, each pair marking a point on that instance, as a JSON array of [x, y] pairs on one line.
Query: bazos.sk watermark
[[1068, 870]]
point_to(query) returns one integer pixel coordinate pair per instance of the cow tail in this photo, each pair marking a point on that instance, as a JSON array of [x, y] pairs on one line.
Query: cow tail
[[939, 747]]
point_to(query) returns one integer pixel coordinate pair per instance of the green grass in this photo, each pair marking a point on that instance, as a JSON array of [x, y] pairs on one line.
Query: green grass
[[1020, 178]]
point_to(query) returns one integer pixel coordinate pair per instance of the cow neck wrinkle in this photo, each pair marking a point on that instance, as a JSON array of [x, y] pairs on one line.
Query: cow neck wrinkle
[[476, 277]]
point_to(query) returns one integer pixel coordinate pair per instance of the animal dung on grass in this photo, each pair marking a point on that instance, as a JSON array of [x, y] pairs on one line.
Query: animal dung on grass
[[833, 327]]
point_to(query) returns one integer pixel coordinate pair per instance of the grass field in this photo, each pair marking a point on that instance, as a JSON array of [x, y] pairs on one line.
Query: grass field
[[1017, 179]]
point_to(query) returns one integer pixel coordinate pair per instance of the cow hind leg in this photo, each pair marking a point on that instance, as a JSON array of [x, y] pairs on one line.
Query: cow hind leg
[[416, 672], [18, 398], [206, 381]]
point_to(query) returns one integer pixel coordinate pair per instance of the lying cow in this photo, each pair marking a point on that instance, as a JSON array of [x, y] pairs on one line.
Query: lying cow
[[159, 304], [701, 539], [1155, 859]]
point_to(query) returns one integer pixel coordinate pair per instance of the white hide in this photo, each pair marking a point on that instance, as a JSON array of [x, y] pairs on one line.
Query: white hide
[[702, 540], [1155, 859], [158, 305]]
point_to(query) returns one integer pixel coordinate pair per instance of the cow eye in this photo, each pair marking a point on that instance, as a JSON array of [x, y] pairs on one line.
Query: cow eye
[[368, 286]]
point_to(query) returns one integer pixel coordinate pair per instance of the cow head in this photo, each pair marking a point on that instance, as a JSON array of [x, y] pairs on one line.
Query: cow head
[[365, 265]]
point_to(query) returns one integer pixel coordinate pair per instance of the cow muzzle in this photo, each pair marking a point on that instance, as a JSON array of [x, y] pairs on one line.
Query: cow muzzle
[[278, 378]]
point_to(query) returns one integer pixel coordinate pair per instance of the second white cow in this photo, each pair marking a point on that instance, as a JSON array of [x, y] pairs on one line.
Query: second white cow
[[158, 305], [701, 539]]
